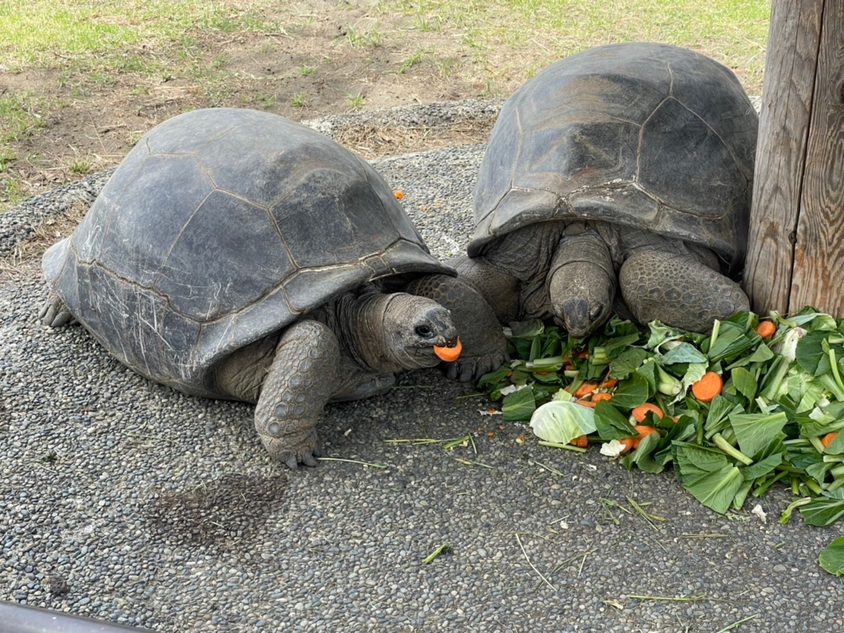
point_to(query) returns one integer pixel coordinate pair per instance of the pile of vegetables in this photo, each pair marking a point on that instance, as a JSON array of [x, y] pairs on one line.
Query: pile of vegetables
[[753, 404]]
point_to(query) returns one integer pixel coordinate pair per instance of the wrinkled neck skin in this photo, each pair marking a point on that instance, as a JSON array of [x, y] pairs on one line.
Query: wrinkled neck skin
[[359, 322]]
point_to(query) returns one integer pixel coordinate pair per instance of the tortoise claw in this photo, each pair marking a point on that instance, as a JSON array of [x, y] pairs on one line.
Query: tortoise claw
[[290, 459], [309, 460]]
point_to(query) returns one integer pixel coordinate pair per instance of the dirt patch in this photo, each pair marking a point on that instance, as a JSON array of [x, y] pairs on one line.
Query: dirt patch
[[86, 120]]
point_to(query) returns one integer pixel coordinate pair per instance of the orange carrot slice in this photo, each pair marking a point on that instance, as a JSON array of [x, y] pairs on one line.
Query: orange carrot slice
[[708, 387], [642, 410], [449, 354]]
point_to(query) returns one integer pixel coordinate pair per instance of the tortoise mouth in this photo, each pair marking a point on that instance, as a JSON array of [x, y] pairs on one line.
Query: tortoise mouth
[[425, 353]]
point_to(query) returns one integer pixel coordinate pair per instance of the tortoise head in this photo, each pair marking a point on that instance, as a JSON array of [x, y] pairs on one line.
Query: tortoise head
[[413, 327], [397, 331], [581, 283]]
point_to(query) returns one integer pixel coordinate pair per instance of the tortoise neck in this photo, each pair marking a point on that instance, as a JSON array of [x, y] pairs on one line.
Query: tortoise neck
[[361, 321]]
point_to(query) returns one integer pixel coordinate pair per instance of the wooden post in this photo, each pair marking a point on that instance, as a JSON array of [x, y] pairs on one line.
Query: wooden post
[[795, 253]]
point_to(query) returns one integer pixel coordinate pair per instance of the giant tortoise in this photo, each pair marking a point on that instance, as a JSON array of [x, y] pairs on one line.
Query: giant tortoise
[[236, 254], [626, 165]]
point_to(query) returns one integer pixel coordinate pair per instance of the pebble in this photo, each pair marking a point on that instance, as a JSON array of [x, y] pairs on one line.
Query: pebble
[[124, 501]]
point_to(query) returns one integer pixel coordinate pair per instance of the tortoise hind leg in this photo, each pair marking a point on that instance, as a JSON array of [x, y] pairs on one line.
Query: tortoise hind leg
[[55, 313], [678, 290], [297, 387]]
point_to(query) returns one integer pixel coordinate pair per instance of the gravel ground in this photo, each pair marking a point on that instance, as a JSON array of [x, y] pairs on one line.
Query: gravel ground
[[126, 501]]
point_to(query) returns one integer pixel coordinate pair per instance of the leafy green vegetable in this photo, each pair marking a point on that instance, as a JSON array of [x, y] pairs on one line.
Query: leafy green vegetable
[[825, 509], [630, 392], [708, 476], [560, 422], [610, 423], [780, 398], [832, 557], [518, 405]]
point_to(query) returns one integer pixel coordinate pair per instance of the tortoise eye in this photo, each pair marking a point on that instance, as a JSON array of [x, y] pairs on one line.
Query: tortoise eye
[[424, 331]]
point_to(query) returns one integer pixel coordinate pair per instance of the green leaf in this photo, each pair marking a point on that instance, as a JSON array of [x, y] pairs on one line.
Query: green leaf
[[731, 342], [519, 405], [832, 557], [560, 422], [611, 423], [683, 353], [526, 329], [716, 417], [630, 392], [823, 510], [756, 431], [812, 356], [621, 341], [744, 382], [762, 354], [494, 379], [708, 476], [661, 334], [761, 468], [643, 455], [627, 362]]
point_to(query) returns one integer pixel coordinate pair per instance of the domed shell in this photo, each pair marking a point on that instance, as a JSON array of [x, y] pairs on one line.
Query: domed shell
[[644, 135], [218, 229]]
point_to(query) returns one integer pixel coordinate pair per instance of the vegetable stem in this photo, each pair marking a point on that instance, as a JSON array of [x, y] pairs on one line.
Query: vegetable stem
[[763, 488], [835, 484], [442, 549], [568, 447], [816, 442], [833, 363], [730, 450]]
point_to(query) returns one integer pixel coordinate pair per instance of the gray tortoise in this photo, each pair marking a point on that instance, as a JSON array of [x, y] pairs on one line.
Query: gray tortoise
[[625, 167], [235, 254]]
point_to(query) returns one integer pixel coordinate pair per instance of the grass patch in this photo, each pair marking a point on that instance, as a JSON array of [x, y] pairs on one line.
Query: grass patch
[[36, 31], [735, 33]]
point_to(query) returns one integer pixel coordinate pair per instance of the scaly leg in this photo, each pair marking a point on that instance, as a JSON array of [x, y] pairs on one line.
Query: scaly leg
[[678, 290], [55, 313], [300, 382]]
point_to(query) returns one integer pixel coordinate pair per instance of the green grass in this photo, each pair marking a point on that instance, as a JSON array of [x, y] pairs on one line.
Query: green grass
[[34, 31], [733, 31]]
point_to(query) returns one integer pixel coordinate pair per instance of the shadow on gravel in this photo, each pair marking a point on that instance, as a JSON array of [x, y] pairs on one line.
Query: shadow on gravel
[[221, 513]]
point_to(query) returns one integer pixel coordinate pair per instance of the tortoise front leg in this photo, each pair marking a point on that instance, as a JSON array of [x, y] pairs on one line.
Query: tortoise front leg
[[297, 387], [678, 290]]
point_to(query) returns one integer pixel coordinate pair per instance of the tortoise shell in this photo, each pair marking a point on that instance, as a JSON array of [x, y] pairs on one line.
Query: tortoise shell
[[644, 135], [218, 229]]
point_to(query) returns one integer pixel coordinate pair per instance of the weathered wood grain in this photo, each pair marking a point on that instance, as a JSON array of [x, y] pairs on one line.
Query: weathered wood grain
[[818, 277], [787, 93]]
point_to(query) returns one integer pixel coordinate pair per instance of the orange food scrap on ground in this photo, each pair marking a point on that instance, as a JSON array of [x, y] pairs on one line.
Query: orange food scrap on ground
[[581, 441], [399, 195]]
